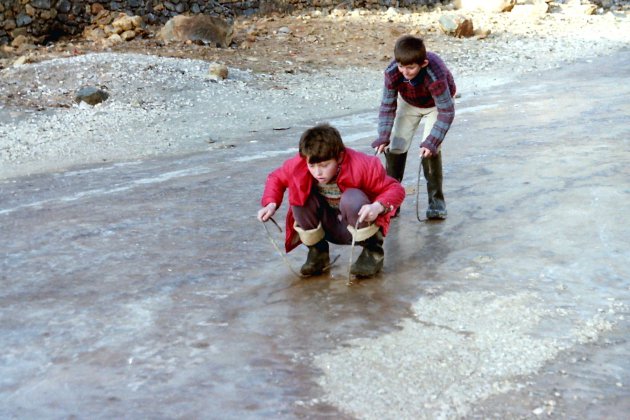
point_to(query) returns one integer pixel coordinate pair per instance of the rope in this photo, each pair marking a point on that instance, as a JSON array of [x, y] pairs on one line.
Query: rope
[[284, 257], [356, 227]]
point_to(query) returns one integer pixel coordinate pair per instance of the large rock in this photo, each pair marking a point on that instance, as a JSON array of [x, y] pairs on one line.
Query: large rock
[[486, 5], [199, 28], [576, 7], [457, 26], [533, 8]]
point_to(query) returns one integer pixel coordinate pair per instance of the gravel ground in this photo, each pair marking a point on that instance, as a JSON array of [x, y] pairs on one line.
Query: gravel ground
[[161, 105], [466, 324]]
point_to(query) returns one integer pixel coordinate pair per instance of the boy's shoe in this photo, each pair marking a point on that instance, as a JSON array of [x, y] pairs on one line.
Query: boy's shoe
[[436, 214], [395, 165], [370, 262], [317, 260], [432, 169]]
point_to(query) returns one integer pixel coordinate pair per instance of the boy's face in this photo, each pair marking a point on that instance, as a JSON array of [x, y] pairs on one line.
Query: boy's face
[[409, 71], [325, 171]]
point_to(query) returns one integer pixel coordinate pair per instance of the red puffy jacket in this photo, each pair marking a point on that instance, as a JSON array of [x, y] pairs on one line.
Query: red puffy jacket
[[357, 170]]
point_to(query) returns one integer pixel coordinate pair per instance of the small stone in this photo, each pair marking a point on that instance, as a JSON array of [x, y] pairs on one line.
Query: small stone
[[123, 23], [217, 71], [20, 61], [115, 39], [91, 95], [20, 40], [128, 35]]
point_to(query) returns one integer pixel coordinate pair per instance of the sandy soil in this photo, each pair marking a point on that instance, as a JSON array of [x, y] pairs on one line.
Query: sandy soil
[[283, 70]]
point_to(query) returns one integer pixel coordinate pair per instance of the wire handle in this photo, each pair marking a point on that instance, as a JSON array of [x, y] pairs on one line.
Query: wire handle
[[356, 227], [283, 255]]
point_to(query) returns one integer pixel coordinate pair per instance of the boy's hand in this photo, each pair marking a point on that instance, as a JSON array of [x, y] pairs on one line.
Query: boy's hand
[[424, 152], [380, 149], [380, 145], [369, 212], [266, 212]]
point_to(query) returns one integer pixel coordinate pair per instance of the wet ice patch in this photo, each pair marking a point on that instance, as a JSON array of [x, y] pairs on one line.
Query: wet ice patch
[[459, 349]]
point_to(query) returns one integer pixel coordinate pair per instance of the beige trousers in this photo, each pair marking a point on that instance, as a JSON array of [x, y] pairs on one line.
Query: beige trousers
[[406, 123]]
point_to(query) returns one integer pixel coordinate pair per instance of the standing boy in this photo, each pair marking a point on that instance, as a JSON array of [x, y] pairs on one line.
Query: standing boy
[[417, 85], [331, 188]]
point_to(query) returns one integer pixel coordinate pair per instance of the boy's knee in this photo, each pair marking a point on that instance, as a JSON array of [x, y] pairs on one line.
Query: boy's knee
[[307, 215], [351, 201]]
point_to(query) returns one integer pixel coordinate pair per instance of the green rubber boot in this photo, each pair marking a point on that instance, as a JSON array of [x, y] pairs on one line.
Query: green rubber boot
[[395, 166], [370, 262], [432, 168], [317, 260]]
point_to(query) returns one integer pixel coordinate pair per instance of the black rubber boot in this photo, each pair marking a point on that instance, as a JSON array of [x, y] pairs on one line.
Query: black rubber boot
[[395, 165], [317, 260], [371, 259], [432, 168]]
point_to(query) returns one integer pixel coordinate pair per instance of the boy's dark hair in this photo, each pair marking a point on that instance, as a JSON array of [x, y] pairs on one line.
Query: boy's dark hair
[[320, 143], [410, 50]]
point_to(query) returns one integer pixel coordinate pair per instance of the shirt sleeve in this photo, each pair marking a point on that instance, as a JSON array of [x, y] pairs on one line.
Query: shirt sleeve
[[275, 187], [446, 114], [387, 111], [386, 115]]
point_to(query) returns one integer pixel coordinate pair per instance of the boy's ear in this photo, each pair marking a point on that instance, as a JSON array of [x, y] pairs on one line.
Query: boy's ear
[[424, 63]]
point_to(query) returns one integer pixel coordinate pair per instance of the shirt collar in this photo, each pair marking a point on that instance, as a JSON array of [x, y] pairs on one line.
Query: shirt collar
[[416, 80]]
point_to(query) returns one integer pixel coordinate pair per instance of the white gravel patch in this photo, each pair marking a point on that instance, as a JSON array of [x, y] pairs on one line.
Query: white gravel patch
[[166, 106], [460, 349], [163, 106]]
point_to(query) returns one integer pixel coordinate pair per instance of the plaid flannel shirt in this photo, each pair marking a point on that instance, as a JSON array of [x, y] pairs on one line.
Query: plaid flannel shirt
[[433, 86]]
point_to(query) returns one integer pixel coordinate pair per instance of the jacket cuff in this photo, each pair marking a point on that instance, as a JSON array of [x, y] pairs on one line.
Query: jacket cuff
[[379, 142], [430, 146], [386, 207]]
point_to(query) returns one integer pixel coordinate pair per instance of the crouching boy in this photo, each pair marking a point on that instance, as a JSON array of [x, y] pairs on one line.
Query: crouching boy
[[331, 188]]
